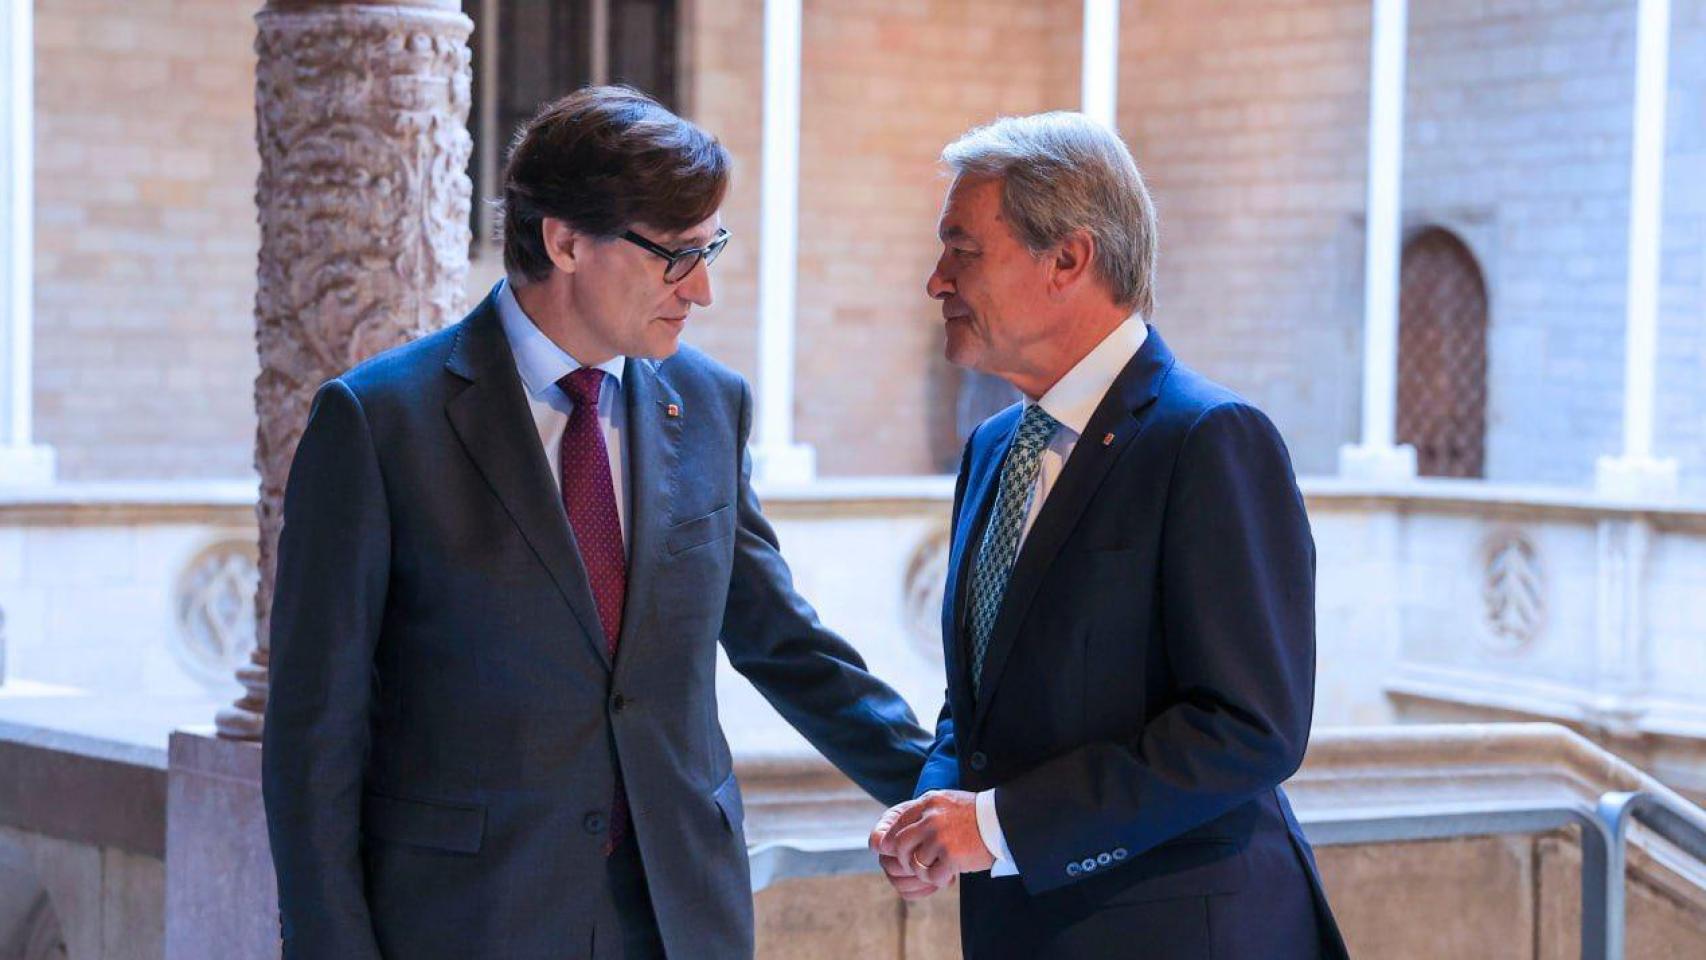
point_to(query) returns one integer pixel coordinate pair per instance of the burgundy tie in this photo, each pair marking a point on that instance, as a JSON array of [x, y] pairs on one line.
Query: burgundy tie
[[589, 498]]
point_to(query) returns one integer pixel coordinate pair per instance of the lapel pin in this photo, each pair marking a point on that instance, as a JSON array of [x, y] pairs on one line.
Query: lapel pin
[[1107, 440], [671, 410]]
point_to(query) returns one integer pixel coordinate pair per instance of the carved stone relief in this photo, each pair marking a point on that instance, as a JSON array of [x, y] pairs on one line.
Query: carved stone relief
[[215, 603], [922, 588], [1513, 592]]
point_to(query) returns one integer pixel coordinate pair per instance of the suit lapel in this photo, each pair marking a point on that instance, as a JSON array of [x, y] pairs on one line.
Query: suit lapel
[[490, 417], [981, 487], [1121, 415], [652, 438]]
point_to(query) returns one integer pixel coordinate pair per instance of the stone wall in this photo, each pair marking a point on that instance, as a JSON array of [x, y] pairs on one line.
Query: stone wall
[[1250, 123], [135, 596], [1494, 898], [1252, 126], [885, 85], [145, 237], [1252, 129], [1681, 411]]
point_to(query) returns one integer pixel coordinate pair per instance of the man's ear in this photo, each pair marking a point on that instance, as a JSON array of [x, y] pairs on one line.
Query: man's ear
[[1071, 262], [562, 243]]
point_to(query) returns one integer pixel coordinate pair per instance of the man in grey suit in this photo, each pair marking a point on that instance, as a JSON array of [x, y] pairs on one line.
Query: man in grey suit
[[510, 549]]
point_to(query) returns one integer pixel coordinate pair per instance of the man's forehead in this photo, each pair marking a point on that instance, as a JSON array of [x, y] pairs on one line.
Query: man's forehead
[[969, 205]]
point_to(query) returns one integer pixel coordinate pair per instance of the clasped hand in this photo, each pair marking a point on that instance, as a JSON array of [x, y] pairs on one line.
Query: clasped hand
[[924, 844]]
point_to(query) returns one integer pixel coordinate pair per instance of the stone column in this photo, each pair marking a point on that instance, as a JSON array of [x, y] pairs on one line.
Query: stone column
[[363, 197], [1637, 473], [1099, 83], [22, 462], [776, 457], [1378, 456]]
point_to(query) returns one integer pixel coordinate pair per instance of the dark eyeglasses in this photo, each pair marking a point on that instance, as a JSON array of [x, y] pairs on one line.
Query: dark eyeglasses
[[679, 263]]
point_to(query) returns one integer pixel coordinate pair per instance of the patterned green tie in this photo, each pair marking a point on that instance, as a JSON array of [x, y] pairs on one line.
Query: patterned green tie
[[995, 555]]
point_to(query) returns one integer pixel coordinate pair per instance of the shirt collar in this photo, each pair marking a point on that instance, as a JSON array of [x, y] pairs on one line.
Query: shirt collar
[[1073, 399], [538, 359]]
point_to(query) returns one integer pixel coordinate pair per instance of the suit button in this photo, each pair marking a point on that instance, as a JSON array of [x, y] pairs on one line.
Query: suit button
[[618, 703], [1088, 864], [1073, 870], [1103, 859], [593, 822], [978, 760], [1119, 853]]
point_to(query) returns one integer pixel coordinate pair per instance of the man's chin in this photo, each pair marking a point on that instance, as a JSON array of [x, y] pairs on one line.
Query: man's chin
[[662, 349], [959, 353]]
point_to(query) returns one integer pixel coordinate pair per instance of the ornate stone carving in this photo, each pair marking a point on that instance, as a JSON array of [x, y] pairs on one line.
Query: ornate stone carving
[[39, 936], [363, 198], [1513, 592], [216, 612], [925, 580]]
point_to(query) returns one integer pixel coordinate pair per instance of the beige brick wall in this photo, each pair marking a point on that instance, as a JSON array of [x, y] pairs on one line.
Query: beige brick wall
[[1249, 118], [145, 237], [1251, 127], [723, 90], [885, 86]]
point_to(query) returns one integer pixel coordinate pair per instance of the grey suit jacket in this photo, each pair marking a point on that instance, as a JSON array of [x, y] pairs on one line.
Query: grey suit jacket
[[445, 724]]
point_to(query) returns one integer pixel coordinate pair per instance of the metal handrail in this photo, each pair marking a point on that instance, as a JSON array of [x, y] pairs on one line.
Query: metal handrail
[[1682, 825], [1604, 839]]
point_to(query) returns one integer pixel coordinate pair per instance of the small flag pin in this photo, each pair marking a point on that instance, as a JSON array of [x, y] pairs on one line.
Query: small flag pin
[[1107, 440], [671, 410]]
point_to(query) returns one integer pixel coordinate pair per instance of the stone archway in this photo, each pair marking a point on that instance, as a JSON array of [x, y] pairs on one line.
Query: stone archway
[[30, 927]]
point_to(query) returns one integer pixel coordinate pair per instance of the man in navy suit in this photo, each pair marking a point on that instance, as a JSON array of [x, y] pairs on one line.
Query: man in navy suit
[[1129, 614], [510, 550]]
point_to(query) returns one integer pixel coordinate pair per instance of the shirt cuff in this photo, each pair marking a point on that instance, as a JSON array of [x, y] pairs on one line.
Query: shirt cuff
[[989, 827]]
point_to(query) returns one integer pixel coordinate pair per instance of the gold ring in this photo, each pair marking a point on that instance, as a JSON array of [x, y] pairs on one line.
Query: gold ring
[[917, 863]]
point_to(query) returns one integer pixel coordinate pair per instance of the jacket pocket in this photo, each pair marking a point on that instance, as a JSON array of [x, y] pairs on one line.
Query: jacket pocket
[[727, 799], [698, 531], [1181, 868], [436, 824]]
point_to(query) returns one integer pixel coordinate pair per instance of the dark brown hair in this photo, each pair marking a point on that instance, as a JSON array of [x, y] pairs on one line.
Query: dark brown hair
[[604, 159]]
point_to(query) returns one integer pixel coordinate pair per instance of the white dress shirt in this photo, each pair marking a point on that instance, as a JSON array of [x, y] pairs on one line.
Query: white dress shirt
[[541, 364], [1071, 401]]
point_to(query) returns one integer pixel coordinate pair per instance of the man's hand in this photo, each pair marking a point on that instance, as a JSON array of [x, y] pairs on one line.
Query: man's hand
[[934, 837], [901, 876]]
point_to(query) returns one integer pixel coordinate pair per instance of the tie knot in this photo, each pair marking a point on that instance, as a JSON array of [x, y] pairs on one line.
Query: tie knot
[[1035, 428], [583, 385]]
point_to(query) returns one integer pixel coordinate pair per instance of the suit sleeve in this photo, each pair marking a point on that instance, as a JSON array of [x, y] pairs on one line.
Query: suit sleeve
[[333, 567], [812, 676], [1238, 620], [942, 766]]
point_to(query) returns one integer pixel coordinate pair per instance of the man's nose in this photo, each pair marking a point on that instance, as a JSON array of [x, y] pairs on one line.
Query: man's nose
[[696, 287], [938, 286]]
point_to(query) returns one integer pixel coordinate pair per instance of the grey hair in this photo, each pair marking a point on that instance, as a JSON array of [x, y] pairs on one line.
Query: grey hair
[[1061, 172]]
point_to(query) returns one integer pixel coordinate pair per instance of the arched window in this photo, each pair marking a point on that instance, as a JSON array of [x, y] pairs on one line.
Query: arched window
[[1442, 356]]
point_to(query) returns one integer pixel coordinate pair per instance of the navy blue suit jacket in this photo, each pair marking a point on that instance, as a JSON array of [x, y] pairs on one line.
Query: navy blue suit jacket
[[445, 723], [1147, 686]]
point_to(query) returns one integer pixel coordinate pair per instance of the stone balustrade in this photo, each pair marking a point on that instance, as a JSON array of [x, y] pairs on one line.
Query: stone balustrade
[[1437, 600], [96, 831]]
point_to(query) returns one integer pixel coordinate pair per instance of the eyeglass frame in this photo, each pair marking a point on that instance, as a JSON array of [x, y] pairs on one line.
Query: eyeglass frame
[[707, 253]]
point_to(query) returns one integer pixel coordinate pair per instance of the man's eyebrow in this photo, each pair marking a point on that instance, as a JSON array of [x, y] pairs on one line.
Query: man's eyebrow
[[952, 233], [684, 240]]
